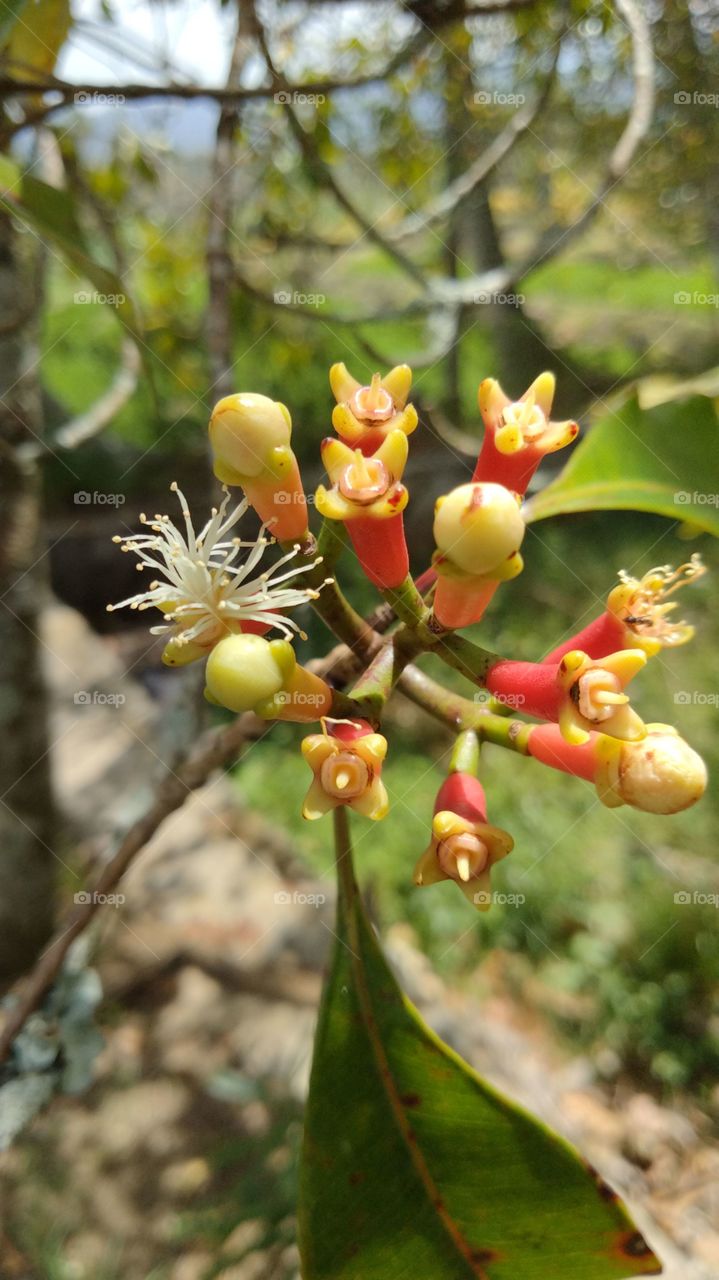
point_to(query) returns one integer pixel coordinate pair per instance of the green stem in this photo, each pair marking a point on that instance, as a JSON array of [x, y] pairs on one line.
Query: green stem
[[343, 855], [467, 658], [460, 714], [331, 541], [465, 756], [407, 603], [375, 685]]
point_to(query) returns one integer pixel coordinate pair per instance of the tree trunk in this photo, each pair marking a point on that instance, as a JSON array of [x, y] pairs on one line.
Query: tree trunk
[[27, 828]]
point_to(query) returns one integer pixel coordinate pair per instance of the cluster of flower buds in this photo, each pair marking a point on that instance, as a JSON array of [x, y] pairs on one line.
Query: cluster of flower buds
[[218, 605]]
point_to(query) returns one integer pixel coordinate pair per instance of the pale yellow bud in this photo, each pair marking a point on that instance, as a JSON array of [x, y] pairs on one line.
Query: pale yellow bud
[[244, 670], [478, 527], [660, 774], [245, 429]]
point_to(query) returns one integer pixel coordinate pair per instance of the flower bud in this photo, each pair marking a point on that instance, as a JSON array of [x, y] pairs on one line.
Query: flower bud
[[639, 614], [660, 774], [249, 673], [464, 847], [578, 693], [347, 766], [478, 529], [518, 433], [365, 415], [250, 439], [367, 494]]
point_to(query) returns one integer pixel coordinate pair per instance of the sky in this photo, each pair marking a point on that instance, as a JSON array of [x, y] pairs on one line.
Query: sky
[[192, 35]]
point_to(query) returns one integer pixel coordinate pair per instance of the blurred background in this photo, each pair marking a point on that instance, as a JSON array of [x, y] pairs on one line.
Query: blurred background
[[200, 198]]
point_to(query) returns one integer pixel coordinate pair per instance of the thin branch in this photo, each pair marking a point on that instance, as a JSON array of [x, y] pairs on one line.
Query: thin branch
[[86, 425], [636, 128], [82, 94], [218, 317], [324, 176], [220, 747], [415, 308], [457, 191]]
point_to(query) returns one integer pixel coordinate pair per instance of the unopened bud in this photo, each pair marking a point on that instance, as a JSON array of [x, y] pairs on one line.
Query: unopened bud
[[244, 430], [478, 527], [243, 670], [660, 774]]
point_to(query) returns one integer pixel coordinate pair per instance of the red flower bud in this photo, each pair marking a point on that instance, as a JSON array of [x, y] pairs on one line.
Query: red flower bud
[[464, 847], [577, 693], [368, 496], [518, 434]]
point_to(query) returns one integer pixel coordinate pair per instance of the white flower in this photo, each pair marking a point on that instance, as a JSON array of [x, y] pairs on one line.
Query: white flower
[[204, 592]]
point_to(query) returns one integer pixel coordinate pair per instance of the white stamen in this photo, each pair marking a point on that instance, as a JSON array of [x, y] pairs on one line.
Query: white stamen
[[203, 590]]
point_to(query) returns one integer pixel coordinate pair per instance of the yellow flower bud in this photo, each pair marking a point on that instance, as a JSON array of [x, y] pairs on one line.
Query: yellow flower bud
[[659, 774], [244, 670], [478, 527], [245, 431]]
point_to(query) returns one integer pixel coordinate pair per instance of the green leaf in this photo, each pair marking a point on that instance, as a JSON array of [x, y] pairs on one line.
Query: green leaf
[[38, 32], [50, 212], [414, 1167], [664, 460]]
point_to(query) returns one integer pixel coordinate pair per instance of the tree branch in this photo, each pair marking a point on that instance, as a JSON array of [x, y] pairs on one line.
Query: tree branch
[[322, 173]]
